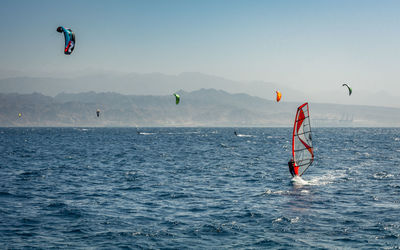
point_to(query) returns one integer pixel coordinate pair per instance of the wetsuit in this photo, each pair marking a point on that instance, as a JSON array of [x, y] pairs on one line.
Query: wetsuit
[[291, 167]]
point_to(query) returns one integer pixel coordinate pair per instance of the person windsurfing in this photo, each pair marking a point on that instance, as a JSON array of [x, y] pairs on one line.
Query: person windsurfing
[[302, 146], [291, 167]]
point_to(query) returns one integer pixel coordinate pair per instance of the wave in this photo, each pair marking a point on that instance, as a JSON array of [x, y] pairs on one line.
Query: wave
[[242, 135]]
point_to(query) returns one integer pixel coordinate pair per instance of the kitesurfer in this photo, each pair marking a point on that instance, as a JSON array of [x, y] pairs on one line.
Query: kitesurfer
[[291, 167], [235, 133]]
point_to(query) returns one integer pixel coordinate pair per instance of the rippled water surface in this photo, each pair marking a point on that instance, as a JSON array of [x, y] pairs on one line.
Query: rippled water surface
[[197, 188]]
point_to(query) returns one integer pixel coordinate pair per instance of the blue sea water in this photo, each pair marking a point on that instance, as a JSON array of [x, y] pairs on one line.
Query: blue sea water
[[197, 188]]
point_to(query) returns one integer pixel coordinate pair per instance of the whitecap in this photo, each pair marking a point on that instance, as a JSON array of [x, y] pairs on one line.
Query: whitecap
[[382, 175], [294, 220], [241, 135], [278, 192]]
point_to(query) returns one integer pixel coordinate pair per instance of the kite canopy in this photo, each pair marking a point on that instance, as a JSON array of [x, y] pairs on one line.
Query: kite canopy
[[302, 148], [350, 90], [177, 98], [278, 96], [69, 39]]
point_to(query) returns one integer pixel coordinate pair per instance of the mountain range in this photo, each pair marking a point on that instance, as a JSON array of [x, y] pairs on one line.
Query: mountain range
[[162, 84], [204, 107]]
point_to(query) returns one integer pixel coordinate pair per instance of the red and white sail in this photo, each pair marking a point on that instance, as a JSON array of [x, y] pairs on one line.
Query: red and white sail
[[302, 148]]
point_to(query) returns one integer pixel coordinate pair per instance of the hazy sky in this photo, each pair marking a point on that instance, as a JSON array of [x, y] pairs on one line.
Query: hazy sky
[[312, 45]]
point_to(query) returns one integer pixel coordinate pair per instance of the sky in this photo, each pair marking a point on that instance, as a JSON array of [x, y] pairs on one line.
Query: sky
[[314, 46]]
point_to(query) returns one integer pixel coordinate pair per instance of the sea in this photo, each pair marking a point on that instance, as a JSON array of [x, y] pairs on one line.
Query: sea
[[197, 188]]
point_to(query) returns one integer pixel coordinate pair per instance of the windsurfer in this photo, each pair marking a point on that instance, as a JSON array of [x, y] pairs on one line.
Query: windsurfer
[[291, 167]]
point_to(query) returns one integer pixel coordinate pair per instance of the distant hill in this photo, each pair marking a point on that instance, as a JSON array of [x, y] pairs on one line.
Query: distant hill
[[204, 107], [141, 84], [162, 84]]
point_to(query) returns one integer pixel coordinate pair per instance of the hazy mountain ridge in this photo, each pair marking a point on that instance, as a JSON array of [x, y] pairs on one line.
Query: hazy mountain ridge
[[141, 84], [204, 107], [162, 84]]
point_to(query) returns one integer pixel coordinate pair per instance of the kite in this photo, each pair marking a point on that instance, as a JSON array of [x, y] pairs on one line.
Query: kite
[[278, 96], [177, 98], [350, 90], [69, 39]]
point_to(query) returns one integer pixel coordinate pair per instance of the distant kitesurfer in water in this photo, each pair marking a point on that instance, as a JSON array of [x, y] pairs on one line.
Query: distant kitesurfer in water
[[291, 167], [235, 133]]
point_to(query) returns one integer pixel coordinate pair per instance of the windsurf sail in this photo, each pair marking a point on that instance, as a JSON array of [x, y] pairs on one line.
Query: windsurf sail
[[302, 148]]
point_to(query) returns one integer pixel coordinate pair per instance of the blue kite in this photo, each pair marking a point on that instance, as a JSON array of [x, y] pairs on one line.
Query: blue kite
[[69, 39]]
